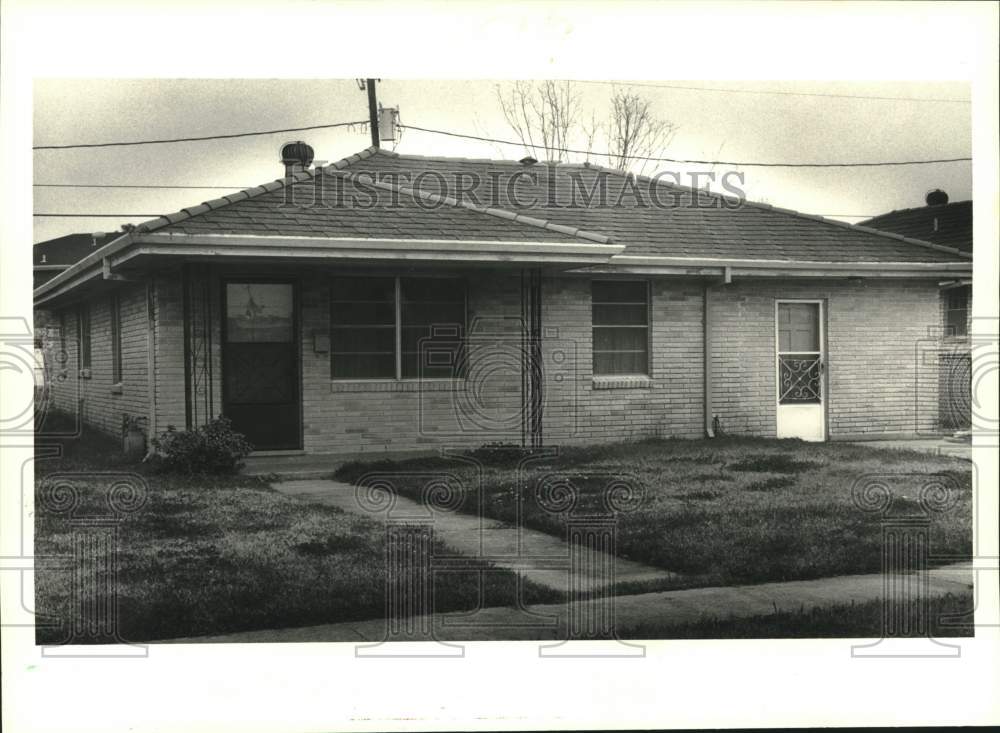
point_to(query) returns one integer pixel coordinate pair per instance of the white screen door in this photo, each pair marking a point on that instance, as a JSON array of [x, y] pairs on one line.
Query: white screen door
[[801, 409]]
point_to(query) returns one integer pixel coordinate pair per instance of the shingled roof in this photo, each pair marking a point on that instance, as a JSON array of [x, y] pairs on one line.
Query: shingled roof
[[380, 194], [947, 224]]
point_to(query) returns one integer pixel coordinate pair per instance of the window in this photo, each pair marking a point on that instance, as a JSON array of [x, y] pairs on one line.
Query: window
[[956, 311], [397, 328], [363, 328], [620, 321], [84, 329], [433, 327], [116, 339]]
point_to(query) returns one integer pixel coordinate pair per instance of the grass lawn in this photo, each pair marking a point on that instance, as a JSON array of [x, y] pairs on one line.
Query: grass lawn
[[854, 620], [720, 512], [212, 555]]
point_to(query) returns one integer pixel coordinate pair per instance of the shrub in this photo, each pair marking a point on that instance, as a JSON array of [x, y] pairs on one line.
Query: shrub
[[211, 448]]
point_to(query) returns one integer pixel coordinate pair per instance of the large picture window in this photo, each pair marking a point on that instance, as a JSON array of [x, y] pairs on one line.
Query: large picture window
[[363, 328], [397, 328], [620, 318]]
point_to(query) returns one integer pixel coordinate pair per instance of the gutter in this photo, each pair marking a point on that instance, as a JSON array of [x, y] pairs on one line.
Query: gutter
[[151, 363], [101, 263]]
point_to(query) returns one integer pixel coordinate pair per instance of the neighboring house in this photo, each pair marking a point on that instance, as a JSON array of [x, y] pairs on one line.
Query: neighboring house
[[949, 224], [52, 256], [49, 258], [328, 313]]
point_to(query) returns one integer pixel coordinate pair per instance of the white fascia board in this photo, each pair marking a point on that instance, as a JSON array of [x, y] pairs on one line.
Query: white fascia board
[[745, 266], [351, 244]]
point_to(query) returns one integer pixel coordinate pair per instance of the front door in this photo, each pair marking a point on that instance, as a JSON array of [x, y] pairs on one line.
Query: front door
[[260, 366], [801, 410]]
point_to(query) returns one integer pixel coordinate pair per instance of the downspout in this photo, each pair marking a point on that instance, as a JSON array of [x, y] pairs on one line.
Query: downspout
[[707, 323], [151, 362]]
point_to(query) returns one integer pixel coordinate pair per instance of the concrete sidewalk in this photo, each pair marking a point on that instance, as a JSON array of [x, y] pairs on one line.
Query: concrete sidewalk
[[677, 607], [537, 556]]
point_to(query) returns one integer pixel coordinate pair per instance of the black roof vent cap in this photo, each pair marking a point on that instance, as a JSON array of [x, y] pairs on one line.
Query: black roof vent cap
[[527, 160], [937, 197], [296, 156]]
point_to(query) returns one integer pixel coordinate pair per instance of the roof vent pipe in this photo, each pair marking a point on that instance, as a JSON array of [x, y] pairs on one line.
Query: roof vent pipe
[[296, 157], [937, 197]]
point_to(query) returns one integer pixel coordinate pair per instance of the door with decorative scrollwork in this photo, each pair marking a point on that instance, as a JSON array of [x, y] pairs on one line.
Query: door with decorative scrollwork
[[800, 364], [260, 366]]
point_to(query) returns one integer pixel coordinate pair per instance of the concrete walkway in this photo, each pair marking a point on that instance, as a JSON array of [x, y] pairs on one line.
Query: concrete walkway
[[631, 612], [537, 556]]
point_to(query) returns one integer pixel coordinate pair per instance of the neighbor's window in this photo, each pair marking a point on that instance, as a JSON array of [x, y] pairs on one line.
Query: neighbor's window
[[392, 328], [116, 339], [620, 320], [956, 312], [84, 333]]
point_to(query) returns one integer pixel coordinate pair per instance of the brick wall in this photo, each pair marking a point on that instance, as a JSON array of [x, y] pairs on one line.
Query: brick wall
[[93, 394], [881, 378], [880, 383], [580, 409]]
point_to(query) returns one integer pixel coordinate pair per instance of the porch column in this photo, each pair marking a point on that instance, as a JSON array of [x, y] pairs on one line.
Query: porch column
[[199, 345]]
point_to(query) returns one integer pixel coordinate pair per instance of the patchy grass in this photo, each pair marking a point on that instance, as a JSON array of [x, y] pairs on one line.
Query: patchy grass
[[721, 512], [845, 621], [211, 555]]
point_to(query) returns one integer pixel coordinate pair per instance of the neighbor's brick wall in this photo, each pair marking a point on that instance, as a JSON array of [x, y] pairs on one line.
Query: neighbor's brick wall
[[880, 355], [94, 399]]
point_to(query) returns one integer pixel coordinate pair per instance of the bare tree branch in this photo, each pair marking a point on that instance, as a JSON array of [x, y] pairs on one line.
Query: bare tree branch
[[542, 115], [634, 133]]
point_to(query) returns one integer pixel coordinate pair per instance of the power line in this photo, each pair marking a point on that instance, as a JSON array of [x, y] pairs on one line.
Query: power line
[[684, 160], [150, 216], [197, 139], [775, 91], [107, 216], [135, 185]]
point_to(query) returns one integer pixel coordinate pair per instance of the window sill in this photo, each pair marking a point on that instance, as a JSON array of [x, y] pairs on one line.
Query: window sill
[[625, 381], [117, 388], [397, 385]]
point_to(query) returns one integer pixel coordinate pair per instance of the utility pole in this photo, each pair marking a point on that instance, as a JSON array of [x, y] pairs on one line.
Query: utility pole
[[372, 111]]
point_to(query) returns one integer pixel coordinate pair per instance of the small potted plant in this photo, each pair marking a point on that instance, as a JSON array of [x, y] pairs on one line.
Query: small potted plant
[[133, 436]]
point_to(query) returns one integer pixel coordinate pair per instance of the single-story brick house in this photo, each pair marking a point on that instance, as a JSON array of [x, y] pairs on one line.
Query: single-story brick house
[[950, 224], [390, 302]]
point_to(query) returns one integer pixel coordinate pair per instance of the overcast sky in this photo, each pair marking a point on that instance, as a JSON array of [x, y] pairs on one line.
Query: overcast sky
[[725, 125]]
